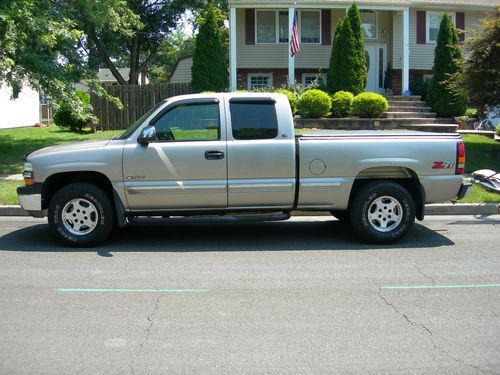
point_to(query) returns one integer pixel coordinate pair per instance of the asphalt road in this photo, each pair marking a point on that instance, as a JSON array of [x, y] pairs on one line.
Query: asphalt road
[[297, 297]]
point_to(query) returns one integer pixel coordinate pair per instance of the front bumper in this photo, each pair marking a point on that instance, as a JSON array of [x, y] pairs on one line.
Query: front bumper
[[465, 190], [30, 199]]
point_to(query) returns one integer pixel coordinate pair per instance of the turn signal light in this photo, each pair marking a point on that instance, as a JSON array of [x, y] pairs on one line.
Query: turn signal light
[[29, 179], [460, 165]]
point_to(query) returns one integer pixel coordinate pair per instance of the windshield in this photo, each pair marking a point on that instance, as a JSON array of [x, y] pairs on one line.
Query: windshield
[[139, 122]]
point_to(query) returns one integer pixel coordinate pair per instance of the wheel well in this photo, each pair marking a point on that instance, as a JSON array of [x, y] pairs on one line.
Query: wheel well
[[57, 181], [402, 176]]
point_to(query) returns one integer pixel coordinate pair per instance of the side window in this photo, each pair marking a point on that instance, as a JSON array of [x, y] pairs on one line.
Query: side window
[[189, 122], [254, 120]]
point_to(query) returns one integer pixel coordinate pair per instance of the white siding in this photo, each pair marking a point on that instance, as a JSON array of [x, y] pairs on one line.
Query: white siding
[[182, 73], [422, 55], [23, 111]]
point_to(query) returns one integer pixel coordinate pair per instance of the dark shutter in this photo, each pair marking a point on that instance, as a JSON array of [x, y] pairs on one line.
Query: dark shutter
[[460, 18], [326, 27], [421, 27], [249, 26]]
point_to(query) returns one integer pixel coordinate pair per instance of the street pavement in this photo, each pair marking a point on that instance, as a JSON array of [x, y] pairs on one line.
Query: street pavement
[[296, 297]]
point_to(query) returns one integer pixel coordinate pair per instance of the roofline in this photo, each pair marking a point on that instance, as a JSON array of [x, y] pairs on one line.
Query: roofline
[[177, 63]]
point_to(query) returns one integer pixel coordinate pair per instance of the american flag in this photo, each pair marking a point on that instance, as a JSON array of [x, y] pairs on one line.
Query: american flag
[[294, 43]]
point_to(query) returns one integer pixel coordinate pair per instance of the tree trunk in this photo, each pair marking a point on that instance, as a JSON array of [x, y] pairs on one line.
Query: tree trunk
[[105, 57]]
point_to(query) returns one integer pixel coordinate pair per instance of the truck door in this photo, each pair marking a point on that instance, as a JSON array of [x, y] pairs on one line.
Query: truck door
[[185, 167], [261, 149]]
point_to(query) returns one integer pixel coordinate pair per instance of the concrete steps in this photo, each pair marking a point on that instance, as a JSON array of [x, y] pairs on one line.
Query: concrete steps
[[410, 114], [412, 98], [405, 108]]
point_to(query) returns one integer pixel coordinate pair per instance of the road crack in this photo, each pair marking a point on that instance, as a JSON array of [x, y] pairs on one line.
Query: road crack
[[425, 275], [428, 331]]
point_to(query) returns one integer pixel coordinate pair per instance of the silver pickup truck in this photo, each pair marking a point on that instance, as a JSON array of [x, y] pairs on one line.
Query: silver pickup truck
[[235, 157]]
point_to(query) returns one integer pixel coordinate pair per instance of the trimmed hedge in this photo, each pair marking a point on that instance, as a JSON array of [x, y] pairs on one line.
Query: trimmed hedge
[[314, 104], [342, 104], [369, 105], [292, 99]]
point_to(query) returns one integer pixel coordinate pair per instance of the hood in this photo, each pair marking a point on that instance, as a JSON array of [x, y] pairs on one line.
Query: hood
[[69, 147]]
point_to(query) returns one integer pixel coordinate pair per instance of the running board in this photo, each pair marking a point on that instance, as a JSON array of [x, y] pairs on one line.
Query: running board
[[148, 220]]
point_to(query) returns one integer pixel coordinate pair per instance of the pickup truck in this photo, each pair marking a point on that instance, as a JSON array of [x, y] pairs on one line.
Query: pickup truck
[[235, 157]]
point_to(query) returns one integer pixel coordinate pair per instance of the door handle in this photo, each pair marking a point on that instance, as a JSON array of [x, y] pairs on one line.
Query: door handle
[[214, 155]]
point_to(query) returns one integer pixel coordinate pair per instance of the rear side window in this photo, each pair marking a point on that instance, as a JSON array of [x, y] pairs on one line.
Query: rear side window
[[254, 120]]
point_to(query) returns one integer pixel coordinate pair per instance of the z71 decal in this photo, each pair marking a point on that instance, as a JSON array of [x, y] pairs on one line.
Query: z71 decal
[[443, 165]]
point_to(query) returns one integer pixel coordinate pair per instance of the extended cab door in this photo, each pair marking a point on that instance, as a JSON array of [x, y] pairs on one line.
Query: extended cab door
[[261, 152], [185, 167]]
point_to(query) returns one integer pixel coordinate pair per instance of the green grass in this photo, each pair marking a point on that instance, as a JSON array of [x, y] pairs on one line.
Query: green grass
[[8, 194], [480, 195], [481, 153], [15, 143]]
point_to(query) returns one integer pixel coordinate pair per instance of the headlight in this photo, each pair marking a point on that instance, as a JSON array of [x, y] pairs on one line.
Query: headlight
[[29, 177]]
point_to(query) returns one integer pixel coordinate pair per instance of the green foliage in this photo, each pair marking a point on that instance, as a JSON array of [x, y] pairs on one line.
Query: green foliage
[[342, 104], [359, 69], [369, 104], [481, 74], [445, 101], [347, 70], [419, 87], [292, 98], [75, 117], [240, 91], [498, 130], [471, 112], [209, 71], [388, 78], [313, 104]]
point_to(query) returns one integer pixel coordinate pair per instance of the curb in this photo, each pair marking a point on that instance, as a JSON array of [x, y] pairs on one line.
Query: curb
[[430, 209]]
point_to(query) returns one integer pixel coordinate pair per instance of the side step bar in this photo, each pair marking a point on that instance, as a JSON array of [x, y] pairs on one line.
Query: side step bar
[[149, 220]]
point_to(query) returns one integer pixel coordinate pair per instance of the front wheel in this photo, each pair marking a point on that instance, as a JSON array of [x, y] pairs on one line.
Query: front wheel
[[81, 214], [382, 212]]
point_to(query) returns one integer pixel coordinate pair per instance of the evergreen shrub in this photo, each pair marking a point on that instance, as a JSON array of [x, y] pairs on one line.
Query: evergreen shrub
[[369, 105], [342, 104], [314, 104]]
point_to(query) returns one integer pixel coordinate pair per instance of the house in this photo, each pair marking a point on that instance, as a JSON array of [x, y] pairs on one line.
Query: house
[[181, 72], [19, 112], [108, 79], [400, 32]]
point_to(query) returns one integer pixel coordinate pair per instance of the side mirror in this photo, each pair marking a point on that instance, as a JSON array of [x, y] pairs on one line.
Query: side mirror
[[148, 134]]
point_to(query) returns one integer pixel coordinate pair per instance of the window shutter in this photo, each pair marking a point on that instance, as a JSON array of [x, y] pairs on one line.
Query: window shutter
[[249, 26], [421, 27], [460, 24], [326, 27]]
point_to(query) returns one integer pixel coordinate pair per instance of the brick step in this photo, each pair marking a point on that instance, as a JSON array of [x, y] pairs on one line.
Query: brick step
[[397, 108], [406, 103], [412, 98], [398, 115]]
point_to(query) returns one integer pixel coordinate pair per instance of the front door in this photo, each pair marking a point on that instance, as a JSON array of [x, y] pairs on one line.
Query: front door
[[185, 167], [375, 62]]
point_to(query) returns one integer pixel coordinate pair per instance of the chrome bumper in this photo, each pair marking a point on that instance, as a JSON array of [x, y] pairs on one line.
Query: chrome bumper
[[30, 199]]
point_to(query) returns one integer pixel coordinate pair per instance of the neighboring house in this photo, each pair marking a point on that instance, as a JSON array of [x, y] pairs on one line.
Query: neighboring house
[[23, 111], [108, 79], [181, 72], [400, 32]]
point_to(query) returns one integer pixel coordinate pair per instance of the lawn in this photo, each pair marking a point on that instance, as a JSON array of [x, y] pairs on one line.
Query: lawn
[[481, 153], [8, 194]]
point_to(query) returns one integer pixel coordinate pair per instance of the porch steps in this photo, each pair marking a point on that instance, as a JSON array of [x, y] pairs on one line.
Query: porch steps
[[406, 115], [405, 108], [404, 98]]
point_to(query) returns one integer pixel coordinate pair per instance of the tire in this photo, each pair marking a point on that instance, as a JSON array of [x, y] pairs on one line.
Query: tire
[[382, 212], [87, 203]]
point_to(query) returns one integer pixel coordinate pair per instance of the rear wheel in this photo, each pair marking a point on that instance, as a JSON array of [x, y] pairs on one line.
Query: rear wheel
[[382, 212], [81, 214]]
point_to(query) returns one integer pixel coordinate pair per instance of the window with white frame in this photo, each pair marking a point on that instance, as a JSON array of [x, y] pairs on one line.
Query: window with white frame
[[310, 78], [271, 26], [259, 80], [310, 26], [369, 23], [433, 21]]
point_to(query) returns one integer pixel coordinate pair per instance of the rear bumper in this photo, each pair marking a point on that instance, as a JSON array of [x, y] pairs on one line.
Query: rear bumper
[[465, 190], [30, 199]]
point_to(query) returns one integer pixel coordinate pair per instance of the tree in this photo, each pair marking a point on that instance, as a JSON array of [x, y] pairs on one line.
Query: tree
[[332, 76], [481, 71], [209, 71], [447, 62], [360, 62]]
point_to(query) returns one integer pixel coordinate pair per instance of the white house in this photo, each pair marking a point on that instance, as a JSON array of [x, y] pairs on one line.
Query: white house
[[23, 111]]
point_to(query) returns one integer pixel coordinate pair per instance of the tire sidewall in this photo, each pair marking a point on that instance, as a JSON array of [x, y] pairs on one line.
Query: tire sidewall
[[94, 195]]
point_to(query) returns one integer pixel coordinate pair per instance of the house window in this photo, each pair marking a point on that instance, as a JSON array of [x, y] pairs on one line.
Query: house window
[[271, 26], [259, 80], [369, 23], [433, 22], [310, 78], [310, 26]]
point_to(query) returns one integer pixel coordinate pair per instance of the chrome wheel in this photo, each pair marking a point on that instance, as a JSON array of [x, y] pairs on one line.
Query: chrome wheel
[[385, 213], [79, 216]]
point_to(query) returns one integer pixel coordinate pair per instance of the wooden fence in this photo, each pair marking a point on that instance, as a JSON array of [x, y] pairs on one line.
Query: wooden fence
[[136, 100]]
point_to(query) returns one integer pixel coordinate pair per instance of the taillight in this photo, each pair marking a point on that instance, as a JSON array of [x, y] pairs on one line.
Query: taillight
[[460, 168]]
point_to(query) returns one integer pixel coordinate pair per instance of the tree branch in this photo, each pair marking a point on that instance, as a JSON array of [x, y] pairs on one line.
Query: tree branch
[[105, 57]]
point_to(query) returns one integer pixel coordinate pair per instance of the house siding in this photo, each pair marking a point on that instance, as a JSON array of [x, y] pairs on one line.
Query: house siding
[[422, 55]]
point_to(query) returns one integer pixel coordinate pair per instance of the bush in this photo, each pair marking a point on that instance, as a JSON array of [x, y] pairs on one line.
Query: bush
[[419, 87], [498, 130], [471, 112], [369, 104], [314, 103], [75, 116], [291, 98], [342, 104]]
